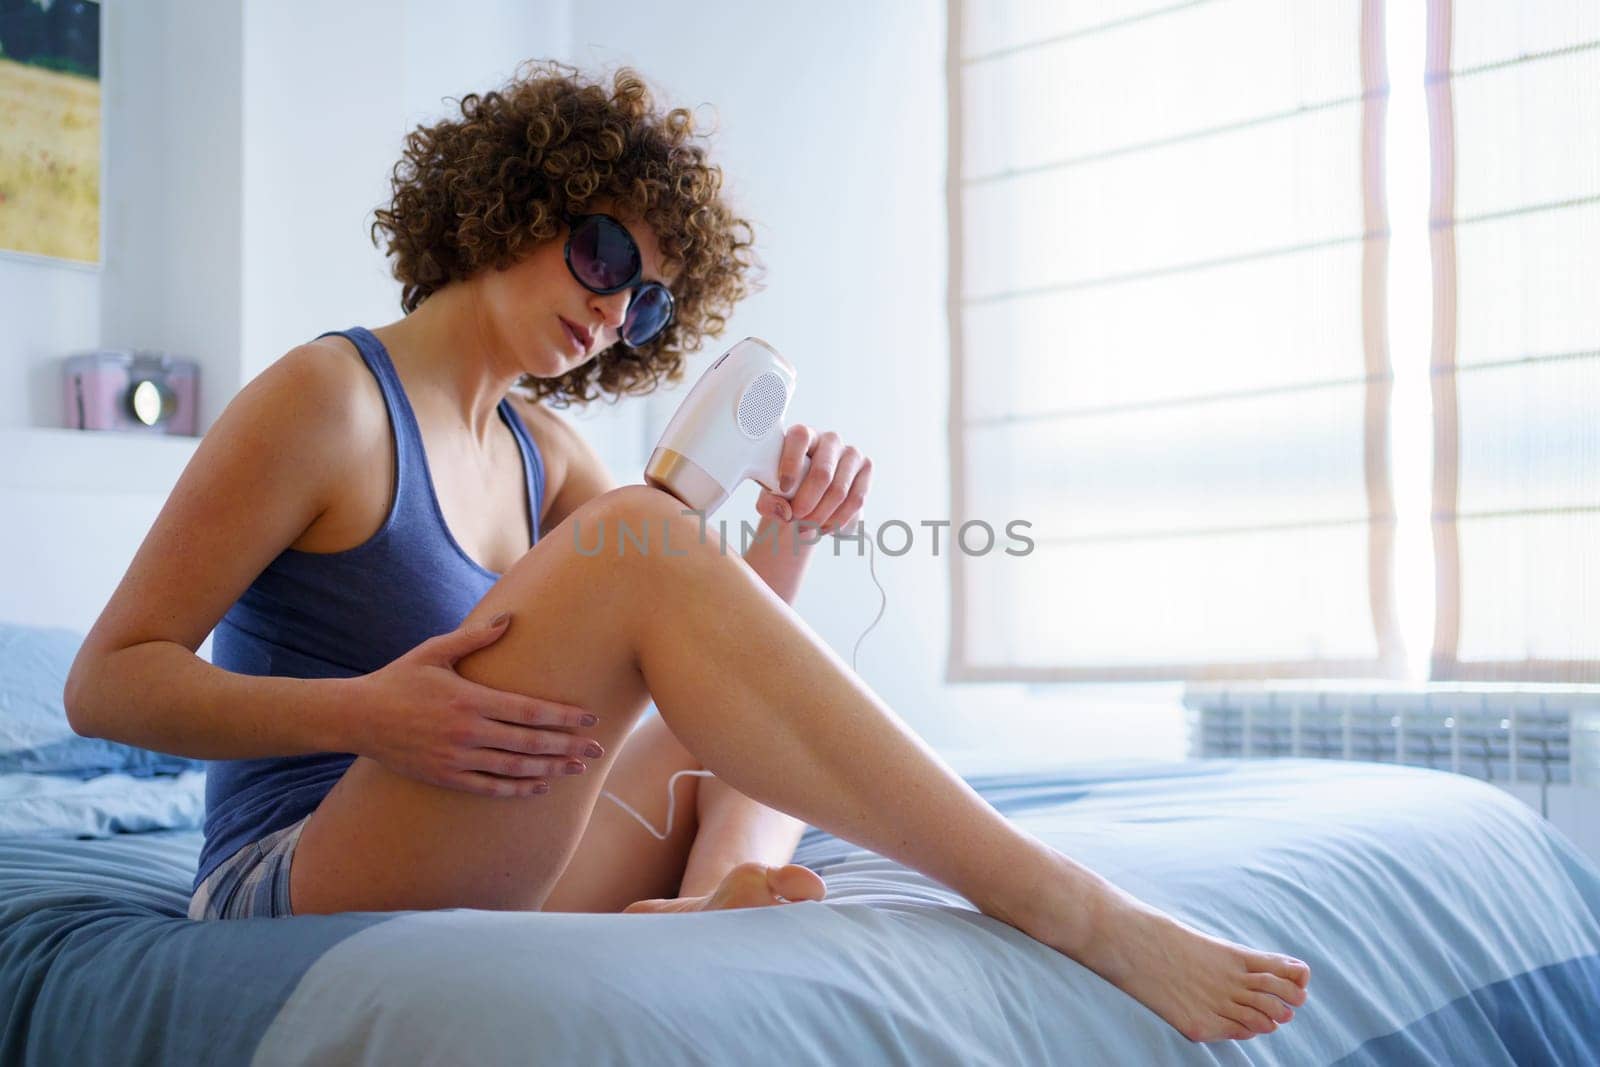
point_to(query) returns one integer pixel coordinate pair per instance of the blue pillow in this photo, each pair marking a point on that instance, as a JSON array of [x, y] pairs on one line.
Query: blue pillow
[[50, 805], [35, 736]]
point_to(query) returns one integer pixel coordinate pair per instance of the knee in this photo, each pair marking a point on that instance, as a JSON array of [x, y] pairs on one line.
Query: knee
[[641, 523], [636, 501]]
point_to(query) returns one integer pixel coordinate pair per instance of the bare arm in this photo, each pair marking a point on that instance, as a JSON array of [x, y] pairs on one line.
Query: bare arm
[[779, 552], [260, 477], [825, 501]]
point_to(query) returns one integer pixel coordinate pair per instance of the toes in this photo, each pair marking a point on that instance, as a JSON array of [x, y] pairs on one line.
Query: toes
[[1281, 988], [1267, 1005], [793, 882], [1287, 967], [756, 876], [752, 884], [1250, 1018], [1217, 1028]]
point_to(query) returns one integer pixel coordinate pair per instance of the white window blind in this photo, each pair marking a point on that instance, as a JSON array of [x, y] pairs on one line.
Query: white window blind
[[1166, 302], [1514, 102]]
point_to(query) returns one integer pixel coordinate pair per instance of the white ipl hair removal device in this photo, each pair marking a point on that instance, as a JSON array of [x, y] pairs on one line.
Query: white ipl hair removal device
[[729, 428]]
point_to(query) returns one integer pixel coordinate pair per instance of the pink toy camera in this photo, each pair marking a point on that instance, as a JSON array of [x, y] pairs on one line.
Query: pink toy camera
[[141, 392]]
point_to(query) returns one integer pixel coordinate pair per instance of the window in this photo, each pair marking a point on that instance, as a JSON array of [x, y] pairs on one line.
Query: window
[[1514, 104], [1172, 331], [1167, 296]]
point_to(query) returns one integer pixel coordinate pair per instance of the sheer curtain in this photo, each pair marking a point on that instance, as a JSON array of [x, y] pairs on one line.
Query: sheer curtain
[[1167, 241], [1514, 103]]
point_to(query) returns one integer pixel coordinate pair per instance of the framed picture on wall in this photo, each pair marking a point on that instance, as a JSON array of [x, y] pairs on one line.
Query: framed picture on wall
[[50, 130]]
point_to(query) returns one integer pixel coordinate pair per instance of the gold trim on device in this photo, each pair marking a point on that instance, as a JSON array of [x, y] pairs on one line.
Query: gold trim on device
[[676, 473]]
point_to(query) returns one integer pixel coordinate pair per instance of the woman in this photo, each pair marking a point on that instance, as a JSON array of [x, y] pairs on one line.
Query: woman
[[400, 680]]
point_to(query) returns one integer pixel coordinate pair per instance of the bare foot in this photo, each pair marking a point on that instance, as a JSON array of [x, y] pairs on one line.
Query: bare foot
[[1206, 988], [749, 885]]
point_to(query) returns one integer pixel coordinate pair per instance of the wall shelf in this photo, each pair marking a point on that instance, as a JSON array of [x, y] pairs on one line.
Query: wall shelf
[[51, 460]]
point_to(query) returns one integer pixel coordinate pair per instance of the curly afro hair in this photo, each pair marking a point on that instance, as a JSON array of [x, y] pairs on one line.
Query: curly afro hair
[[480, 191]]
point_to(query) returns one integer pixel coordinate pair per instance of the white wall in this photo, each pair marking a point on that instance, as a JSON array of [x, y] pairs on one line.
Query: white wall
[[45, 311], [60, 563], [171, 194]]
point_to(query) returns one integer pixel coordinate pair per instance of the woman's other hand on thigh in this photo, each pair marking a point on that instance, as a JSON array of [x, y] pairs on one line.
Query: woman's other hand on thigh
[[420, 718]]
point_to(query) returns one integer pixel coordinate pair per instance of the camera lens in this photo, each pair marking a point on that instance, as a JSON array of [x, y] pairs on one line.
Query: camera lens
[[149, 402]]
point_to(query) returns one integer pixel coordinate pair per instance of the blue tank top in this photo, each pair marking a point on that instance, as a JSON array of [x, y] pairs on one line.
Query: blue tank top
[[342, 614]]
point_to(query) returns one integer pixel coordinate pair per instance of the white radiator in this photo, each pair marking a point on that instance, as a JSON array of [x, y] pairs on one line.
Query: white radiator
[[1541, 743]]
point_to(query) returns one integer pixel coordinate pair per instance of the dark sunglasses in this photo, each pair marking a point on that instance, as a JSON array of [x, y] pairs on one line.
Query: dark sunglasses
[[605, 259]]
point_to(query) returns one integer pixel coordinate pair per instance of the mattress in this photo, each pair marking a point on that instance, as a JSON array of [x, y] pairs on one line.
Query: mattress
[[1444, 922]]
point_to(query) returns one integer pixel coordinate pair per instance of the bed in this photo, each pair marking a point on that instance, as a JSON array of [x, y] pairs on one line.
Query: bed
[[1445, 923]]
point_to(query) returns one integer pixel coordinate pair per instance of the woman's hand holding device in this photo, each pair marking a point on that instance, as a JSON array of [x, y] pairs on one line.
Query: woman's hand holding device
[[421, 719], [824, 480]]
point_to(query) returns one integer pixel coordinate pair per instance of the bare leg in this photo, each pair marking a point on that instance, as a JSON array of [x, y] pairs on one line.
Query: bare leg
[[740, 857], [739, 848], [748, 688], [735, 829], [617, 861]]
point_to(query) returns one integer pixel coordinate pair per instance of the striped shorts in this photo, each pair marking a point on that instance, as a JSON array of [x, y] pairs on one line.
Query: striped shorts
[[253, 882]]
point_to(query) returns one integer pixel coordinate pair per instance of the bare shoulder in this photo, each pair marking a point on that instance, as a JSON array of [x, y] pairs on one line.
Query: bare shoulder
[[318, 410], [574, 472], [321, 389], [334, 377]]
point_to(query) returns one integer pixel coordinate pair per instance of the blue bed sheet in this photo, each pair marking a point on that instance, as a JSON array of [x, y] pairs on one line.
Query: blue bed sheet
[[1445, 923]]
